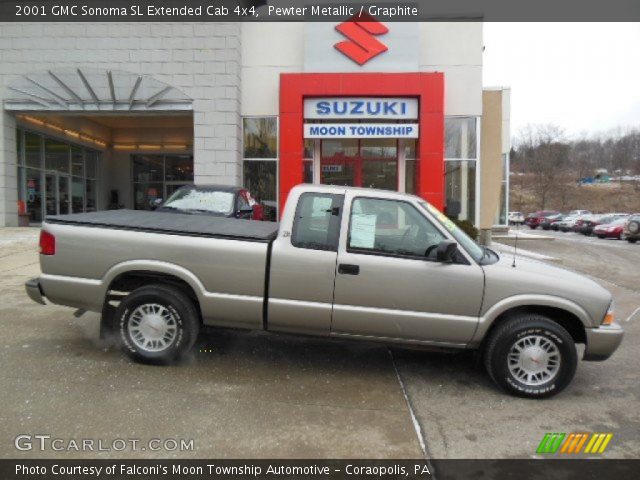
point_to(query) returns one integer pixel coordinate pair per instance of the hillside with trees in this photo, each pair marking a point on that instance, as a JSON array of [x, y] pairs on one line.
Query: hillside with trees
[[550, 171]]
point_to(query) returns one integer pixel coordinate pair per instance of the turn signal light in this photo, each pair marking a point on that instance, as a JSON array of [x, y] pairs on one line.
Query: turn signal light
[[608, 318], [47, 243]]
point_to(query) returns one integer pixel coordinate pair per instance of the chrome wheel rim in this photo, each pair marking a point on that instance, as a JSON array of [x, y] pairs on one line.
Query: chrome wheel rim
[[534, 360], [152, 327]]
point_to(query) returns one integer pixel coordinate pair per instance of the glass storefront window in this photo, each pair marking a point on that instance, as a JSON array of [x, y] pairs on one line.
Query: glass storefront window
[[91, 163], [307, 171], [59, 185], [148, 168], [460, 189], [309, 147], [339, 147], [33, 149], [145, 194], [33, 194], [77, 195], [178, 168], [260, 178], [158, 176], [503, 203], [77, 161], [260, 137], [56, 155], [379, 148], [91, 196], [410, 177], [460, 138]]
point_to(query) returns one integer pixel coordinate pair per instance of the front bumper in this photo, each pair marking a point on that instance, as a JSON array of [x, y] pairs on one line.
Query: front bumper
[[602, 342], [34, 290]]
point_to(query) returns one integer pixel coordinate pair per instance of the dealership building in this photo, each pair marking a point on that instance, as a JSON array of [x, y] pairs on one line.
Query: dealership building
[[117, 115]]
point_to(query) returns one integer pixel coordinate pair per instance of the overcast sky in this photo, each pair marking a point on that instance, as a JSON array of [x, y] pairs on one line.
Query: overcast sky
[[584, 77]]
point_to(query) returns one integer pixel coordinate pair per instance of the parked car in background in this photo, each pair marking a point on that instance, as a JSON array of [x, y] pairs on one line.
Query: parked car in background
[[614, 229], [215, 200], [549, 221], [589, 223], [534, 219], [566, 224], [516, 218], [631, 231], [580, 221]]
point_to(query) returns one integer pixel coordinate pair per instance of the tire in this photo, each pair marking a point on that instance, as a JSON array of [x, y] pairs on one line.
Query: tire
[[151, 311], [601, 236], [632, 240], [533, 227], [634, 226], [529, 379]]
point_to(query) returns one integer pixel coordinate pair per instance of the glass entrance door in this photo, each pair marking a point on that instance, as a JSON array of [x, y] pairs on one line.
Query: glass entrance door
[[371, 163], [56, 194]]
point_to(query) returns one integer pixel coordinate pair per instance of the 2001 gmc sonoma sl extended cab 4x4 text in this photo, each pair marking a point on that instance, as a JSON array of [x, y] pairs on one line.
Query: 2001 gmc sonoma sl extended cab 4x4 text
[[343, 262]]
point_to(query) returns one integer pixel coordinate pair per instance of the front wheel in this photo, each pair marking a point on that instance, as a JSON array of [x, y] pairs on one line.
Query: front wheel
[[531, 356], [157, 324]]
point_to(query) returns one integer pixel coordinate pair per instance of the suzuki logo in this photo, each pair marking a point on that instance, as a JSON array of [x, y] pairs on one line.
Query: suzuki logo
[[362, 45]]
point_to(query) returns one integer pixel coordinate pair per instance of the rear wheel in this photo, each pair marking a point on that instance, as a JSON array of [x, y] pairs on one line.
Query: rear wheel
[[632, 240], [157, 324], [531, 356]]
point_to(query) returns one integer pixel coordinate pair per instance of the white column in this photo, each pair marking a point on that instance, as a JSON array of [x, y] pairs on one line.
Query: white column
[[8, 171]]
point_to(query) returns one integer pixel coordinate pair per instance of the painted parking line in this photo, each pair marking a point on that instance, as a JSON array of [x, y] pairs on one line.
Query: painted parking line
[[628, 319]]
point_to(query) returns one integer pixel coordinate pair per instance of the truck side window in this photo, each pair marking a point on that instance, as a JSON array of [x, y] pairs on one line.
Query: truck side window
[[317, 222], [391, 227]]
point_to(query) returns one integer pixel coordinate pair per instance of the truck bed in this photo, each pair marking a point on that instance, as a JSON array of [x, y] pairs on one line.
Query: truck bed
[[173, 224]]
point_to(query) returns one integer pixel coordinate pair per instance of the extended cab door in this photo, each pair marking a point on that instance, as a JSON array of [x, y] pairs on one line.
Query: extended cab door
[[389, 283], [303, 265]]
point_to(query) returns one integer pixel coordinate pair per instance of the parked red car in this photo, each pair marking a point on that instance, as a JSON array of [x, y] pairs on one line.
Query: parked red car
[[613, 229], [534, 219]]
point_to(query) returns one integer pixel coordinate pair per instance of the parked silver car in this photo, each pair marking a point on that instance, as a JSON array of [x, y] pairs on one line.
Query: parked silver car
[[344, 263]]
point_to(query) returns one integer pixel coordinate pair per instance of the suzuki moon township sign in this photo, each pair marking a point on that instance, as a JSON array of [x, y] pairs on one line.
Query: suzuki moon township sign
[[388, 109], [361, 130], [366, 108]]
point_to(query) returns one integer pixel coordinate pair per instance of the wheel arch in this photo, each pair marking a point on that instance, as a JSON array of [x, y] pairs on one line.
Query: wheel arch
[[128, 276], [569, 315]]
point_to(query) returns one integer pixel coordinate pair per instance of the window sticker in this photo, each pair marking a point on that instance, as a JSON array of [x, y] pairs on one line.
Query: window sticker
[[321, 206], [363, 230]]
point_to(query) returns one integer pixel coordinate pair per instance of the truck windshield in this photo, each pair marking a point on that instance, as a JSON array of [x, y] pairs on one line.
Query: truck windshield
[[477, 252], [194, 200]]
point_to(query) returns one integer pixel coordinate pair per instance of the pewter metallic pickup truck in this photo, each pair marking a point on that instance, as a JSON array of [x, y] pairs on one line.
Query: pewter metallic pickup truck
[[344, 263]]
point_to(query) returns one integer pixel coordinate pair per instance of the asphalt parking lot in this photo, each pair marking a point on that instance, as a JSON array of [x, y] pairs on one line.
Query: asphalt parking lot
[[255, 395]]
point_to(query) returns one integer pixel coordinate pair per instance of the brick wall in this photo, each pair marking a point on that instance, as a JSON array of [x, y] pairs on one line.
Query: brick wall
[[201, 59]]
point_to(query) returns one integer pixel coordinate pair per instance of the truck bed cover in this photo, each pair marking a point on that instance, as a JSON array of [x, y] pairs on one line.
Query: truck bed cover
[[173, 224]]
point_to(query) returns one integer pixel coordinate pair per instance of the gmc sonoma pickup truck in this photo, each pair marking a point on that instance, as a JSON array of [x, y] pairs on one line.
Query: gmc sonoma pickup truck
[[344, 263]]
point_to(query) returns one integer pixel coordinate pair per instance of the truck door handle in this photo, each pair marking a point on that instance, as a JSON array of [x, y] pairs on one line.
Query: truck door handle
[[347, 269]]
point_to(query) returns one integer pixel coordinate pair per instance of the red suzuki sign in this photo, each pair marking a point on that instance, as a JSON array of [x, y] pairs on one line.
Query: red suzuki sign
[[361, 45]]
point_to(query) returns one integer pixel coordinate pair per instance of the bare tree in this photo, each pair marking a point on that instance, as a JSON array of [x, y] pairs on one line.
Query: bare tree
[[545, 154]]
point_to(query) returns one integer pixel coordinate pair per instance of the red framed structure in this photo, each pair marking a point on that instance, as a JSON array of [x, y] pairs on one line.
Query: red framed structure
[[428, 88]]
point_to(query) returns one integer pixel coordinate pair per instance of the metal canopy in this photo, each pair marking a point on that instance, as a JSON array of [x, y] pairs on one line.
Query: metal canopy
[[85, 90]]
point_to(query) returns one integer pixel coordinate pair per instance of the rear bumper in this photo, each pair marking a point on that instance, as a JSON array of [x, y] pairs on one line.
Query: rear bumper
[[34, 290], [602, 342]]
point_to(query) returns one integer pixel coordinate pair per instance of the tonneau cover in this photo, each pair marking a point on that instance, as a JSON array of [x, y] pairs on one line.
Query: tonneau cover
[[173, 223]]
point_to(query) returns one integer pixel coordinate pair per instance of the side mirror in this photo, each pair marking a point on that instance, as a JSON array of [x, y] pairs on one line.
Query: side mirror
[[446, 251]]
